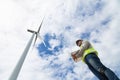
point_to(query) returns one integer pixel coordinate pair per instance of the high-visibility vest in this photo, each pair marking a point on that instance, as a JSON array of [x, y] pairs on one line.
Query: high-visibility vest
[[88, 51]]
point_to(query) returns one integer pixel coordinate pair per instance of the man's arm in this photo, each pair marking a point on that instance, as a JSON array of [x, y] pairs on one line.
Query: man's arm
[[73, 54]]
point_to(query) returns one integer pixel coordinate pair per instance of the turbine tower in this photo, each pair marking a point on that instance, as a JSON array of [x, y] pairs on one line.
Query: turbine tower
[[18, 67]]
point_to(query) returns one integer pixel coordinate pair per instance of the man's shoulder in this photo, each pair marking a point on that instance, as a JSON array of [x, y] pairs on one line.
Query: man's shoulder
[[86, 41]]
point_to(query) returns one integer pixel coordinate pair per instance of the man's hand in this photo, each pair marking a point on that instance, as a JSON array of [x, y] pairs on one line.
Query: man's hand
[[73, 54]]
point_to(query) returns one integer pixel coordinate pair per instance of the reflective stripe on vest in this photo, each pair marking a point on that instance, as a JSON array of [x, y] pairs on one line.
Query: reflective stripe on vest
[[88, 51]]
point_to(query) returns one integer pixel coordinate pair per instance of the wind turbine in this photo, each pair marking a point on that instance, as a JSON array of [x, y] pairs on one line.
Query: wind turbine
[[18, 67], [37, 34]]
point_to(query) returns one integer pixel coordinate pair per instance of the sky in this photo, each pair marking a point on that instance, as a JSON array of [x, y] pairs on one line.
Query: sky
[[65, 21]]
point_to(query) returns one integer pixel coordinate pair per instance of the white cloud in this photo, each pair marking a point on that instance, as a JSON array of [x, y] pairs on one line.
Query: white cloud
[[54, 43]]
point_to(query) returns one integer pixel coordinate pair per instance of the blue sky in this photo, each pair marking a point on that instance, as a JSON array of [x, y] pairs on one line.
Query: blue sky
[[65, 22], [83, 11]]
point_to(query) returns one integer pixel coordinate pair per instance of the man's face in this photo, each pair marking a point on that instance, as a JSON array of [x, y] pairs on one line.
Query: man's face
[[79, 43]]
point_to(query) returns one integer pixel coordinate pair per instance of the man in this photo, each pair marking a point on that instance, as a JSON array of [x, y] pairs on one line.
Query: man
[[89, 55]]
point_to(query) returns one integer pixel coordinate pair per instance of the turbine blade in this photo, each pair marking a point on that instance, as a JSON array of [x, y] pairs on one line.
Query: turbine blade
[[41, 39], [40, 26], [35, 40]]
